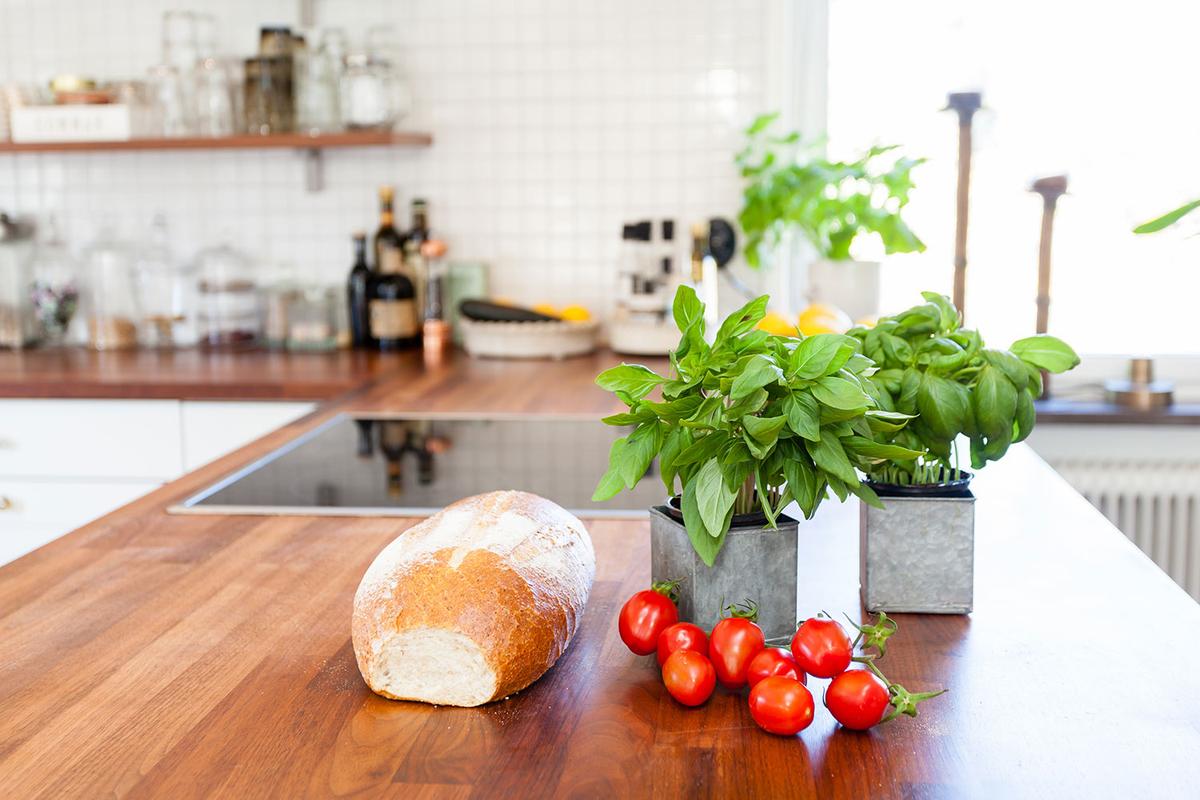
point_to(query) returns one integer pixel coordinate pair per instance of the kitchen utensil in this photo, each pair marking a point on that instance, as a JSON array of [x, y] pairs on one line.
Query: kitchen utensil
[[485, 311], [965, 104]]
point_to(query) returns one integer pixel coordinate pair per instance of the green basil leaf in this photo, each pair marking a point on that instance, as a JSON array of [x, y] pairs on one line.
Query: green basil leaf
[[1025, 418], [879, 451], [703, 448], [673, 444], [674, 410], [762, 433], [815, 355], [706, 546], [611, 482], [688, 310], [641, 447], [1045, 352], [759, 371], [840, 393], [886, 421], [802, 482], [643, 414], [804, 416], [866, 494], [1010, 365], [948, 315], [944, 406], [829, 456], [995, 403], [713, 497], [743, 320], [750, 404], [634, 379], [910, 384]]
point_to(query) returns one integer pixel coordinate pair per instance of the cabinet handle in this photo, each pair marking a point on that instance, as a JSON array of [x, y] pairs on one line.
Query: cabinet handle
[[5, 503]]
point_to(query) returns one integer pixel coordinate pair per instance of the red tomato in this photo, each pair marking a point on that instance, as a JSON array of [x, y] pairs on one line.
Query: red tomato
[[643, 618], [821, 647], [733, 643], [781, 705], [681, 636], [857, 699], [774, 661], [689, 677]]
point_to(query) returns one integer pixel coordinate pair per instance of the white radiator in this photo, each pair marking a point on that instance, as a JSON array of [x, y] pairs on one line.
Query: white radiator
[[1155, 503]]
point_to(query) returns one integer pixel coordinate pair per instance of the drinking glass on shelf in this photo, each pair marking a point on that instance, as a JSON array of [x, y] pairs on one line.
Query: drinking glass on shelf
[[318, 74], [112, 299], [179, 40], [214, 99], [172, 102]]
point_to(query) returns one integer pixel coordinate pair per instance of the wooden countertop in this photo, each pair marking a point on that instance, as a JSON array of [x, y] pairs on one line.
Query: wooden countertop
[[149, 655], [194, 374]]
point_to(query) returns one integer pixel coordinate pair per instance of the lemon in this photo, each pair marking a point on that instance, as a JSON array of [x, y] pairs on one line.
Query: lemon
[[821, 318], [776, 324], [547, 309], [575, 314]]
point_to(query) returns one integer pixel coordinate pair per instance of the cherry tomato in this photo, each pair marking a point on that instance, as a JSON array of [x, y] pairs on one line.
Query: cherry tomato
[[643, 618], [781, 705], [681, 636], [821, 647], [733, 643], [774, 661], [857, 699], [689, 677]]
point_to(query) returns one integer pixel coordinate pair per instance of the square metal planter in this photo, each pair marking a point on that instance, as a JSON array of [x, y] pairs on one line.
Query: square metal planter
[[918, 554], [756, 563]]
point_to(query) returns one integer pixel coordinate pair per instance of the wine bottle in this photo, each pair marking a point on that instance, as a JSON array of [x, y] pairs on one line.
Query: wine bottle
[[357, 290], [388, 244], [392, 308]]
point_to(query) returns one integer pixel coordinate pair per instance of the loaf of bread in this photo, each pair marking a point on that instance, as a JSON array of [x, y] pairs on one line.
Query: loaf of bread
[[474, 603]]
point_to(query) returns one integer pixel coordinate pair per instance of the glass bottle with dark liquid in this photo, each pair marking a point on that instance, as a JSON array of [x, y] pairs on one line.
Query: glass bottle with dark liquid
[[392, 301], [357, 290]]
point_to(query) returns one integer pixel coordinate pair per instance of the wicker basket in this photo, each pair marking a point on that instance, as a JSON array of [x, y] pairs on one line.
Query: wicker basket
[[552, 339]]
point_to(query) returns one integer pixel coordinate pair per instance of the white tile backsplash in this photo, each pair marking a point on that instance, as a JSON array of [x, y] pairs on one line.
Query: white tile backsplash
[[554, 121]]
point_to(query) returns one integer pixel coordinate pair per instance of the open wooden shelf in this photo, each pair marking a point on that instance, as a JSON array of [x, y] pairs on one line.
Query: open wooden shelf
[[302, 141], [310, 145]]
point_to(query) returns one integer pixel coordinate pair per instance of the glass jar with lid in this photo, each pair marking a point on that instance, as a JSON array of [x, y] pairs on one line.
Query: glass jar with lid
[[17, 325], [228, 313], [55, 291], [112, 306], [166, 290]]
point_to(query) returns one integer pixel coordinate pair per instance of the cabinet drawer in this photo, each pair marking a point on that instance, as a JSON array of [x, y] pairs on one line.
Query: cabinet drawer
[[33, 513], [134, 439]]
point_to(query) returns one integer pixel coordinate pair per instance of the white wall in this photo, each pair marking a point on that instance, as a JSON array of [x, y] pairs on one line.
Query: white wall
[[554, 122]]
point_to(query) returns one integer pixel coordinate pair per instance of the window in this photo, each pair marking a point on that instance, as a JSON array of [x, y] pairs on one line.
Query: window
[[1105, 94]]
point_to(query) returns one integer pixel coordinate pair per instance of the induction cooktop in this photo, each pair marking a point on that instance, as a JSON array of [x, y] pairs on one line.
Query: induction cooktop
[[415, 465]]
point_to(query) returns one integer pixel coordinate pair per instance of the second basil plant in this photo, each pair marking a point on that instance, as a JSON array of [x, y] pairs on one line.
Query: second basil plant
[[749, 422]]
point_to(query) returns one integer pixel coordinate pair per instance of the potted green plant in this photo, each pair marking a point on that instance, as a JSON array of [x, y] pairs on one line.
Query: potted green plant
[[746, 423], [917, 552], [792, 190]]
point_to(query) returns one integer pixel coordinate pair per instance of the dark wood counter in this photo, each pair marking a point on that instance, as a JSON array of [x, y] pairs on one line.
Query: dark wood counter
[[194, 374], [149, 655]]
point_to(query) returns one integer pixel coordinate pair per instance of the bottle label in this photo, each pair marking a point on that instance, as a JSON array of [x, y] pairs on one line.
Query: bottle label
[[391, 260], [393, 319]]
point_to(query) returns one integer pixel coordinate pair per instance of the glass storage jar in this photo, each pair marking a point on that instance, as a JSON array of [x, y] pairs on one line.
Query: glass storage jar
[[228, 314], [166, 290], [111, 295], [312, 319], [17, 325], [55, 291]]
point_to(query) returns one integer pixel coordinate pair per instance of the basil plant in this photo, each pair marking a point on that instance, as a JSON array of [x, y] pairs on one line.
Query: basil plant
[[752, 420], [939, 374]]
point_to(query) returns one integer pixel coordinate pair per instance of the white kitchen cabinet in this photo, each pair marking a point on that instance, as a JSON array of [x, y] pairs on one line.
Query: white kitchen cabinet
[[64, 463], [212, 429], [34, 512], [135, 439]]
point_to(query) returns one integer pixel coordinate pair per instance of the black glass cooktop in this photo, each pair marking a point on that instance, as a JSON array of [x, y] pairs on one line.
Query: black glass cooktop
[[417, 465]]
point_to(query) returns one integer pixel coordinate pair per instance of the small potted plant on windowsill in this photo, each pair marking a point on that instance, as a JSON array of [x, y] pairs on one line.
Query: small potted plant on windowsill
[[792, 190], [745, 425], [917, 551]]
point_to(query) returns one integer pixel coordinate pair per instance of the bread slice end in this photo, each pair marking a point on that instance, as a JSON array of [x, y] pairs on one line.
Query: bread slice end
[[432, 665]]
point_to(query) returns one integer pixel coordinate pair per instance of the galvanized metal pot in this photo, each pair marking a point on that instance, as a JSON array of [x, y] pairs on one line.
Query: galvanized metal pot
[[917, 554], [756, 563]]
